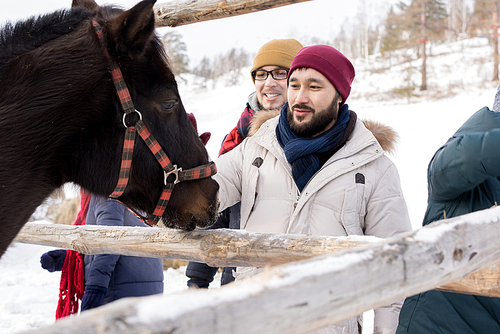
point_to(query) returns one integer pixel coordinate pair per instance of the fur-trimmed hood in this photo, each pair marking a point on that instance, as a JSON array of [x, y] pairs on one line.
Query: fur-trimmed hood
[[385, 135]]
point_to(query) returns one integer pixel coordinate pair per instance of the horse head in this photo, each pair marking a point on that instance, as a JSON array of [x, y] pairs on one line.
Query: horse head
[[130, 39], [61, 118]]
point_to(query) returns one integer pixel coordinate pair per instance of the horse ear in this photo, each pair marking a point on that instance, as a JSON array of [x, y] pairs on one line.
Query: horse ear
[[133, 29], [85, 4]]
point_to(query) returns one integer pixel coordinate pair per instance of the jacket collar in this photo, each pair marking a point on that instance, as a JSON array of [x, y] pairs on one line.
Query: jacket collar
[[360, 139], [253, 103], [385, 136]]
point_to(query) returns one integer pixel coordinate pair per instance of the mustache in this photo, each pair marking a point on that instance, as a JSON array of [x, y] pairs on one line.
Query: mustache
[[302, 106]]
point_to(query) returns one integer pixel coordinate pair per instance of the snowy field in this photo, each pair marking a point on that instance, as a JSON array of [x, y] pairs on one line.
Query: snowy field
[[28, 294]]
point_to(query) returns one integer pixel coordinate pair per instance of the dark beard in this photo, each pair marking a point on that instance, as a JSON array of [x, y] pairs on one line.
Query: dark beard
[[318, 122]]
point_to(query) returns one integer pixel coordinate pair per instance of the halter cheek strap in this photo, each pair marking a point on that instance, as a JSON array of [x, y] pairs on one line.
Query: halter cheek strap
[[139, 127]]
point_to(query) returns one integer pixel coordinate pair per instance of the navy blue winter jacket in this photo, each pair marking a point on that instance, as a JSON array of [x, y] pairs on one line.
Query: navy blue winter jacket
[[123, 276]]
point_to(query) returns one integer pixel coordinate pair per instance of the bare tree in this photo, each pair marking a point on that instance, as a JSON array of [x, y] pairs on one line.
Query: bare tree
[[460, 18], [235, 60], [204, 70], [229, 64], [494, 29], [423, 41]]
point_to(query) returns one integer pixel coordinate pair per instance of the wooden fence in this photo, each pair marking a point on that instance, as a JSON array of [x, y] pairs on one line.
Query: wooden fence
[[304, 295]]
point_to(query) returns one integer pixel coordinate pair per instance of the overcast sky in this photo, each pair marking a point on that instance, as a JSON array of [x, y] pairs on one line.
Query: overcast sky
[[316, 18]]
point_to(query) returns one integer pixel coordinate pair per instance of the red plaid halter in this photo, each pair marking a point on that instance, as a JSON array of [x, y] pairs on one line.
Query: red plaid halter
[[129, 142]]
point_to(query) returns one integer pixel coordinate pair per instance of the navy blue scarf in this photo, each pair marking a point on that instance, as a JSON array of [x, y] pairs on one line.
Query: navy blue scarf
[[302, 152]]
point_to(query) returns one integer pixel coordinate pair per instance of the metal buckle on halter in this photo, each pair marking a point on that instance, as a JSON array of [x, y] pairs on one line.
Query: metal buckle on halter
[[174, 171], [130, 113]]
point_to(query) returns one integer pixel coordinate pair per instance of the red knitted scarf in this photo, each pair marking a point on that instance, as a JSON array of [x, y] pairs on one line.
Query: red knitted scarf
[[72, 284], [240, 131]]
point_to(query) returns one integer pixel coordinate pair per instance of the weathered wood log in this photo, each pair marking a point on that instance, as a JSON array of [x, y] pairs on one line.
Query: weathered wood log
[[483, 282], [221, 247], [182, 12], [306, 295]]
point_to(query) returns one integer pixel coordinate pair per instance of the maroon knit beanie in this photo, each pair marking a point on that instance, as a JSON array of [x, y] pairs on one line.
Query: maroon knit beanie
[[329, 62]]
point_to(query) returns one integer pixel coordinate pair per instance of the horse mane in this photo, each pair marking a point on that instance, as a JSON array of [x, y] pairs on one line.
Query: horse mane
[[25, 36]]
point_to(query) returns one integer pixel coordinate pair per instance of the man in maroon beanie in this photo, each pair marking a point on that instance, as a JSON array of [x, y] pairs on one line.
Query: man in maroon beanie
[[269, 73], [313, 168]]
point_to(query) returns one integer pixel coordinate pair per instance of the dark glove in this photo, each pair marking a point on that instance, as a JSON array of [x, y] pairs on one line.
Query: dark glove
[[93, 297], [53, 260]]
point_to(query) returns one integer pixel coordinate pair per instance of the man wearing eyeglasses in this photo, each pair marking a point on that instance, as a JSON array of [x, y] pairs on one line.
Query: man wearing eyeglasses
[[314, 168], [269, 73]]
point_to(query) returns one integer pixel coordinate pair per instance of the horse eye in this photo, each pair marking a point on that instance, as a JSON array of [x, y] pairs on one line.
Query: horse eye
[[169, 105]]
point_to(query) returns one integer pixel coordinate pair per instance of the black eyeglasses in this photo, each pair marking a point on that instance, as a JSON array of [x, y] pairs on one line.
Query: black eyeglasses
[[278, 74]]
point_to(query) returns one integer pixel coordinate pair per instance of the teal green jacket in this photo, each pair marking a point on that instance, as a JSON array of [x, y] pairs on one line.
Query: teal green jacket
[[463, 176]]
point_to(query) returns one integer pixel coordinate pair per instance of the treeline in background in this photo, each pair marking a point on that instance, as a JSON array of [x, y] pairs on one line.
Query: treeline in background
[[410, 24]]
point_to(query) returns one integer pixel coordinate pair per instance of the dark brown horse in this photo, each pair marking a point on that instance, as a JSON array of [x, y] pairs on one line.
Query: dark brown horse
[[61, 119]]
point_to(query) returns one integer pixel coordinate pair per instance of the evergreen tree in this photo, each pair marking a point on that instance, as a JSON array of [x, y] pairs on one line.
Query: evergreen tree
[[404, 29], [483, 15], [176, 52], [417, 23], [392, 39]]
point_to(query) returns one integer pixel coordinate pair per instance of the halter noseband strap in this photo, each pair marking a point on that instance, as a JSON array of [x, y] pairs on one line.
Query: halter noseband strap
[[129, 142]]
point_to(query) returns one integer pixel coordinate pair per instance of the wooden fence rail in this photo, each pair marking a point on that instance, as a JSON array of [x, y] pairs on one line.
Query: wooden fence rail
[[177, 13], [222, 248], [305, 295]]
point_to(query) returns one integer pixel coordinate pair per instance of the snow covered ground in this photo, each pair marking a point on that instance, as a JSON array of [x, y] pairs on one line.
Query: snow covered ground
[[28, 294]]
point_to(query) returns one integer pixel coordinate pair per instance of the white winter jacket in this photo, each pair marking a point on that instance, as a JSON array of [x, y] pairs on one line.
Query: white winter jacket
[[356, 192]]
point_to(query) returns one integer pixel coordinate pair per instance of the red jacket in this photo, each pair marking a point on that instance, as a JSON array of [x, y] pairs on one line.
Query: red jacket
[[240, 131]]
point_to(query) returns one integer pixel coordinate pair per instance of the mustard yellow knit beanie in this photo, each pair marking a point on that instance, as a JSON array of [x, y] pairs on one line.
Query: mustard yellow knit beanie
[[277, 52]]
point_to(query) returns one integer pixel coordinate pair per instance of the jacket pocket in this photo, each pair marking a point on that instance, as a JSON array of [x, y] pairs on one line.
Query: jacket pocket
[[353, 210]]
